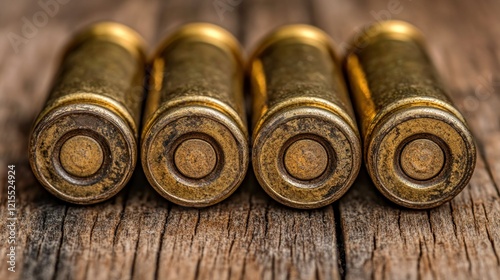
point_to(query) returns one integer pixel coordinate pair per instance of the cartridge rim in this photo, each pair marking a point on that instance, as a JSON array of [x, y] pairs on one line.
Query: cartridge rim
[[391, 169], [218, 133], [112, 152], [322, 128]]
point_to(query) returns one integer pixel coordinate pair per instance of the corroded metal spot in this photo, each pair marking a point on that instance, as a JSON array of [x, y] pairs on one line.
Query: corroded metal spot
[[306, 159], [81, 156], [422, 159], [195, 158]]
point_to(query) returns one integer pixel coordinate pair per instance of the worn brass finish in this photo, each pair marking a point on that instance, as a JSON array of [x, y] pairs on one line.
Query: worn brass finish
[[306, 159], [419, 151], [81, 156], [195, 158], [422, 159], [194, 141], [306, 149], [83, 146]]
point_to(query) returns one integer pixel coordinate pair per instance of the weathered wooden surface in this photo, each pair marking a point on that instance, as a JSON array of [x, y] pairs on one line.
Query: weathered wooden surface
[[140, 235]]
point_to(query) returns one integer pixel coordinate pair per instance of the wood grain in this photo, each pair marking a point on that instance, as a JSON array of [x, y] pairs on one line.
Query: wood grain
[[139, 235]]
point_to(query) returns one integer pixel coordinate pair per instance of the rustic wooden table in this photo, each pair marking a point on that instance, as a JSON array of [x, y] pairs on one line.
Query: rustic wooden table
[[138, 234]]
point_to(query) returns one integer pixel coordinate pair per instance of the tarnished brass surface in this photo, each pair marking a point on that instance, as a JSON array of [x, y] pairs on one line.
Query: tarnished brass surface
[[83, 146], [194, 141], [306, 149], [418, 148], [195, 158], [305, 159], [422, 159], [81, 156]]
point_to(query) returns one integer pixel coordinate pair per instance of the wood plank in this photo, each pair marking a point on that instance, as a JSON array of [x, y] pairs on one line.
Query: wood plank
[[460, 238]]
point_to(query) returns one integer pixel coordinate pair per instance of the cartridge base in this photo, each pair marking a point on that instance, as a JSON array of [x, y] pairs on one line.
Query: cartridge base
[[194, 155], [306, 157], [421, 157], [82, 153]]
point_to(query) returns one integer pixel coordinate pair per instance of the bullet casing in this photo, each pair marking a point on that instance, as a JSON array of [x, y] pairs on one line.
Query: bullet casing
[[418, 149], [83, 145], [306, 149], [194, 141]]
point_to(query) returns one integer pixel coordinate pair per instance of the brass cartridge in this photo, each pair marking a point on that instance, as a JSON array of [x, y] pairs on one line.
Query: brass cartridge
[[83, 145], [418, 149], [194, 140], [306, 149]]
